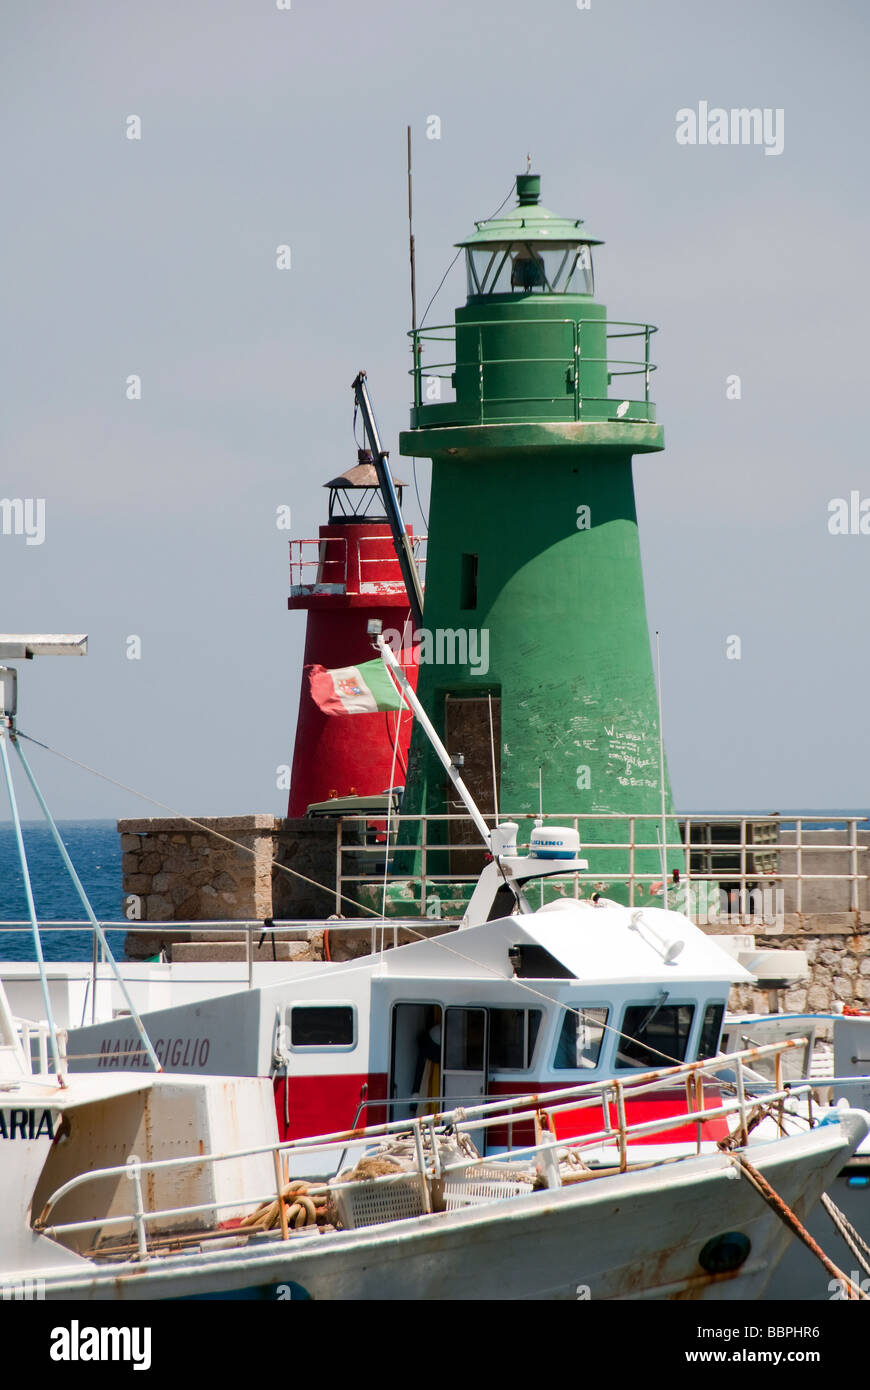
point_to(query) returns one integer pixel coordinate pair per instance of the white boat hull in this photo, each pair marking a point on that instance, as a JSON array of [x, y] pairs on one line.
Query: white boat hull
[[627, 1236]]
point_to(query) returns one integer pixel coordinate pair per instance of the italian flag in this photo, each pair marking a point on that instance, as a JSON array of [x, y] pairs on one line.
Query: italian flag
[[354, 689]]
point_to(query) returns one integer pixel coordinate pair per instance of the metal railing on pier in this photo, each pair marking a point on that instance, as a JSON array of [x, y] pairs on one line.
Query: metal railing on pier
[[739, 855]]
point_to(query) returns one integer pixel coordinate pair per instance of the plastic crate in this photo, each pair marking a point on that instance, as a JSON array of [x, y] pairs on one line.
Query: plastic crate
[[374, 1202], [480, 1186]]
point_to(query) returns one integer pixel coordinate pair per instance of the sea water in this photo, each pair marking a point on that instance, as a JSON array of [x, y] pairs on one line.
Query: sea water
[[95, 849]]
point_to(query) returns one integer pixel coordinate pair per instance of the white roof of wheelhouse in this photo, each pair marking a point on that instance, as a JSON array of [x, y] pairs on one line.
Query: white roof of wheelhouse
[[595, 945]]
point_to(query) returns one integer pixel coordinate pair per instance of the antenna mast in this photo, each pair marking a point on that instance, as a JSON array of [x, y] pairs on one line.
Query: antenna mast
[[662, 769], [411, 243]]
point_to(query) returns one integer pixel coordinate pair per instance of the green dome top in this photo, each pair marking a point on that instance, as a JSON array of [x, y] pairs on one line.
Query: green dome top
[[529, 221]]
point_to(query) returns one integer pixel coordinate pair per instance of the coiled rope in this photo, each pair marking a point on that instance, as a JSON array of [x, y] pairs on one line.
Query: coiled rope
[[304, 1204]]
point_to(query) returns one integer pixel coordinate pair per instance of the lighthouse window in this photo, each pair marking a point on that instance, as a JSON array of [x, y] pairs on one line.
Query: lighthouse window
[[521, 267], [654, 1035], [579, 1045], [321, 1025], [512, 1036], [468, 584], [527, 269]]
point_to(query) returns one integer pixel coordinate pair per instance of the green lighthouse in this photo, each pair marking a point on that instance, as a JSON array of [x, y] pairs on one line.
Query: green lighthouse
[[536, 637]]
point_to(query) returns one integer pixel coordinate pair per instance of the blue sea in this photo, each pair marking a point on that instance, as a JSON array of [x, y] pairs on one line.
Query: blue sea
[[95, 849]]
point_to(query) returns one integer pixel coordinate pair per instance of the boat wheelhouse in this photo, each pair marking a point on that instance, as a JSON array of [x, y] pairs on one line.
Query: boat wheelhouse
[[529, 1002]]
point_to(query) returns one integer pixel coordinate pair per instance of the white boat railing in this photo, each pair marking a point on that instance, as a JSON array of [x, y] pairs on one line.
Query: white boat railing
[[28, 1032], [539, 1110]]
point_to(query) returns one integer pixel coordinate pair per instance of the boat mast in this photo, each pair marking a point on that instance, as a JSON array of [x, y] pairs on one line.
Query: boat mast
[[27, 646]]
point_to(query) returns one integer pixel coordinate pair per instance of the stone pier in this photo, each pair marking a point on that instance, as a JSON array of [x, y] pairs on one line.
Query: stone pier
[[837, 947], [221, 870]]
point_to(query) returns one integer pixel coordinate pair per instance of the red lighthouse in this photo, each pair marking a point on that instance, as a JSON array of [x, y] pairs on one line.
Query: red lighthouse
[[346, 577]]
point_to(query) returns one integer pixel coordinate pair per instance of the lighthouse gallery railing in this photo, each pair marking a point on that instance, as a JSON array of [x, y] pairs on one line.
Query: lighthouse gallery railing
[[443, 412], [319, 565]]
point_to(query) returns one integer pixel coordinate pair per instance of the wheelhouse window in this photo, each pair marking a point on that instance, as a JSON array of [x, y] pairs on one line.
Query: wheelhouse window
[[529, 267], [512, 1037], [580, 1040], [710, 1030], [322, 1025], [654, 1035]]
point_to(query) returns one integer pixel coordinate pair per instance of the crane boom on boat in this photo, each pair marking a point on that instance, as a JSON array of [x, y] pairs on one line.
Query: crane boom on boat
[[404, 552]]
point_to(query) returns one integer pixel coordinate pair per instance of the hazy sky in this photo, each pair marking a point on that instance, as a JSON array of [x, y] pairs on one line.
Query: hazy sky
[[263, 126]]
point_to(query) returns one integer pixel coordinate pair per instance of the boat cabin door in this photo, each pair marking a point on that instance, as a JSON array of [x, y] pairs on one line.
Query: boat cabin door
[[465, 1062], [439, 1059]]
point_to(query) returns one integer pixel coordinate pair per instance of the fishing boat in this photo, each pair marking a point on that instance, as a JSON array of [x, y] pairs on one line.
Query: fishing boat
[[544, 1003], [152, 1186]]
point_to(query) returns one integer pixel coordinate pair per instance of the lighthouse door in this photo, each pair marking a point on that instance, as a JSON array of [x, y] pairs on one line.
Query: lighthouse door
[[467, 731]]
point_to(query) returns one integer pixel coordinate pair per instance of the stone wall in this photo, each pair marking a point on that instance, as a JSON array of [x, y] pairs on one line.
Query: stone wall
[[837, 947], [222, 870], [181, 873], [307, 845]]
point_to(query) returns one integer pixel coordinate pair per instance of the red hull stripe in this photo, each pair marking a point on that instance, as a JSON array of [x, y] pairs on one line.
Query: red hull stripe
[[639, 1111], [320, 1104]]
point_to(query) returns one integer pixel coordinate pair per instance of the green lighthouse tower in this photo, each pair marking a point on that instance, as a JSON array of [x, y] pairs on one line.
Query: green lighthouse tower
[[535, 620]]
